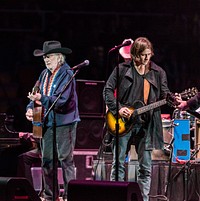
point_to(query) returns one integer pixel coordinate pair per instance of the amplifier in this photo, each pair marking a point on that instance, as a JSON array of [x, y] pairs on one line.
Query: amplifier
[[84, 161], [181, 145]]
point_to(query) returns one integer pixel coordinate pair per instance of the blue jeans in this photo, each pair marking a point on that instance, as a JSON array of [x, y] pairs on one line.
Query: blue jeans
[[144, 159], [144, 171], [123, 142], [65, 142]]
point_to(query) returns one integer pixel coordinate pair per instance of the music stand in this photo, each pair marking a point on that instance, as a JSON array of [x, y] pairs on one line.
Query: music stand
[[117, 122]]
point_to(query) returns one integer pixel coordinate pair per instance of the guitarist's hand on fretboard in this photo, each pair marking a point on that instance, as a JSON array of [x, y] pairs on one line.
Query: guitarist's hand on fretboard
[[181, 98], [182, 105], [34, 96]]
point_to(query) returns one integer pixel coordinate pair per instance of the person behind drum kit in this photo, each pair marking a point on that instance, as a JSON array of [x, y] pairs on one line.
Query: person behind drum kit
[[52, 80], [144, 135]]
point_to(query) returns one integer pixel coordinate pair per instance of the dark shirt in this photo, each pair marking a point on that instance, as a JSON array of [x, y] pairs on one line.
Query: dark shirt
[[138, 87]]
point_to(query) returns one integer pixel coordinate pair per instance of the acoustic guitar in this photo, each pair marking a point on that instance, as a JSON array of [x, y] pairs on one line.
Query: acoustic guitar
[[126, 124], [37, 114]]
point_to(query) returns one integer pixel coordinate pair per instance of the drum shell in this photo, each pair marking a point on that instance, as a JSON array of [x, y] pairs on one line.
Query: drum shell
[[167, 131]]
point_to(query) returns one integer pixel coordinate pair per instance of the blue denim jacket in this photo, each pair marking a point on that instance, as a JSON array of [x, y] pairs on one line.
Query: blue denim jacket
[[66, 108]]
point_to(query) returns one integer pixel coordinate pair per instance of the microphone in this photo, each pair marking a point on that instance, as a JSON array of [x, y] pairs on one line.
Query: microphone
[[126, 43], [79, 66]]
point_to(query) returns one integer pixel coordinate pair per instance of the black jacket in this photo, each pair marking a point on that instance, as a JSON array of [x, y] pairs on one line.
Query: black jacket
[[159, 89]]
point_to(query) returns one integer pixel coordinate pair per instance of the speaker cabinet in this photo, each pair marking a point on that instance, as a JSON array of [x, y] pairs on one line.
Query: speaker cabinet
[[90, 97], [83, 190], [89, 132], [84, 162], [17, 188]]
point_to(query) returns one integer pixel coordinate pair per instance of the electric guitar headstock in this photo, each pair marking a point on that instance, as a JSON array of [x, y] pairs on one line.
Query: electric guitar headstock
[[185, 95], [189, 93]]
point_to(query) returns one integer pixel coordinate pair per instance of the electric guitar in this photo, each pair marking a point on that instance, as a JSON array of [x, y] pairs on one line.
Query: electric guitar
[[126, 124]]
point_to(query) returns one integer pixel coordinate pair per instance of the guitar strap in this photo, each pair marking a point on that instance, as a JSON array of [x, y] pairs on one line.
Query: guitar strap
[[146, 90]]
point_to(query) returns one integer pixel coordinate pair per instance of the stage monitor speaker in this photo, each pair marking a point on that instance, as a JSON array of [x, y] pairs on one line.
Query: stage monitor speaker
[[90, 97], [87, 190], [89, 133], [17, 188]]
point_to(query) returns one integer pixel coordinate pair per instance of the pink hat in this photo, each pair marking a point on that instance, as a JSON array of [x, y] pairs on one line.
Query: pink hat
[[125, 51]]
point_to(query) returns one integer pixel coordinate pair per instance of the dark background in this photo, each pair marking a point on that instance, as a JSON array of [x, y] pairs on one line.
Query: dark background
[[90, 28]]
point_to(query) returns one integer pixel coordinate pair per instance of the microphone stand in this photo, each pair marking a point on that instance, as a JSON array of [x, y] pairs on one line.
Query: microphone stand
[[54, 132], [117, 110], [170, 163], [117, 122]]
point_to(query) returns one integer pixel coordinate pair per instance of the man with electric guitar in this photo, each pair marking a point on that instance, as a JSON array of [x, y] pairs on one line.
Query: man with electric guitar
[[141, 82], [62, 118]]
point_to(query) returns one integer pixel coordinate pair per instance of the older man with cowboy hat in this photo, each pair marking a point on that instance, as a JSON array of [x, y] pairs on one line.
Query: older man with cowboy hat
[[62, 118]]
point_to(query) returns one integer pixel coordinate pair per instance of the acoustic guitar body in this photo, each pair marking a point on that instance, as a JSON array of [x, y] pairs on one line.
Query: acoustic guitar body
[[37, 119]]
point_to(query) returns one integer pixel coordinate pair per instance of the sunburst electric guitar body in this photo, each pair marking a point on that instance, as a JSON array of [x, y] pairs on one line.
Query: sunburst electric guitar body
[[125, 125]]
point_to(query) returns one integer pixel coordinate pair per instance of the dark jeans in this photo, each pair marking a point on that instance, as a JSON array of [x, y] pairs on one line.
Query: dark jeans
[[65, 142]]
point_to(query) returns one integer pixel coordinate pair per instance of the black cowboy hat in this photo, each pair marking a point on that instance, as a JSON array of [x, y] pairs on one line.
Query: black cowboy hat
[[52, 47]]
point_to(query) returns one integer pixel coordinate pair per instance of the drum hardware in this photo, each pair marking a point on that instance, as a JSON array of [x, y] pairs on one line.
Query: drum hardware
[[168, 125], [186, 169], [168, 148]]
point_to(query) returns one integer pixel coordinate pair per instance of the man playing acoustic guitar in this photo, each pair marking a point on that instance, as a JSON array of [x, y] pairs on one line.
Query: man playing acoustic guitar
[[65, 115], [141, 82]]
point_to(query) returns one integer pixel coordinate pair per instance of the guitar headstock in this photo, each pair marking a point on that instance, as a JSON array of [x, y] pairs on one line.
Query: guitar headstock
[[171, 100], [189, 93], [36, 88]]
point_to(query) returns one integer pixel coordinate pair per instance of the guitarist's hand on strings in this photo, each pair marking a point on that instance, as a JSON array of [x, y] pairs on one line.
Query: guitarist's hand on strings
[[125, 112]]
